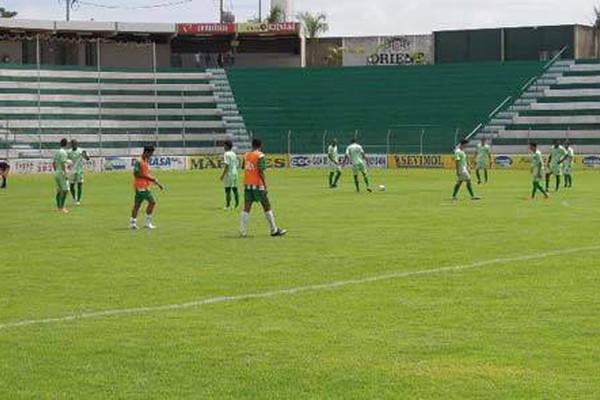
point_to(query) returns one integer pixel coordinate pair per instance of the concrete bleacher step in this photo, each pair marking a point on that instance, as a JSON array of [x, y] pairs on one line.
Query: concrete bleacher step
[[523, 149]]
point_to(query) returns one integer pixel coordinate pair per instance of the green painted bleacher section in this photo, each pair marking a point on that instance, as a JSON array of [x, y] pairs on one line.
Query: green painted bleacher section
[[440, 102], [111, 113]]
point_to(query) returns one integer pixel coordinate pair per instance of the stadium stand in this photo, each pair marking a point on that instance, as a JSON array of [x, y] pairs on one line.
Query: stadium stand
[[563, 103], [112, 112], [445, 100]]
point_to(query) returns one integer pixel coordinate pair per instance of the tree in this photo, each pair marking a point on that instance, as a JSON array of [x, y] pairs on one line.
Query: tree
[[4, 13], [276, 15], [313, 24]]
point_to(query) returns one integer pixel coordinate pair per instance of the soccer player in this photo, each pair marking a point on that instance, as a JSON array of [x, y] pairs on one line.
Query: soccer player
[[59, 165], [483, 160], [229, 177], [462, 171], [356, 155], [4, 170], [555, 160], [568, 162], [333, 160], [77, 157], [537, 170], [255, 190], [142, 184]]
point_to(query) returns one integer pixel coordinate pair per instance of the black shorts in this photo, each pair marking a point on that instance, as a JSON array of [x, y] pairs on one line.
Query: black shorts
[[4, 166]]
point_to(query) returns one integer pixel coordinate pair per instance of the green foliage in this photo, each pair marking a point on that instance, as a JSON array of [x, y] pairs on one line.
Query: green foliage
[[276, 15], [4, 13], [314, 24], [507, 330]]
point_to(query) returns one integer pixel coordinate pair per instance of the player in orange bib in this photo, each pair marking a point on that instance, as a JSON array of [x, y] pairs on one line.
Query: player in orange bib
[[255, 190], [142, 183]]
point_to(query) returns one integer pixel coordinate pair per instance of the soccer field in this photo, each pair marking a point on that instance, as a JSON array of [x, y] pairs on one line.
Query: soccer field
[[396, 294]]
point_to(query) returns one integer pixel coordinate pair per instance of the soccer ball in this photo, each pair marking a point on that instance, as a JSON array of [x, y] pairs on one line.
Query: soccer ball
[[382, 188]]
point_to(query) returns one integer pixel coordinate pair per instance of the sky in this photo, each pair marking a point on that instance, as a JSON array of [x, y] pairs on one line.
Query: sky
[[346, 17]]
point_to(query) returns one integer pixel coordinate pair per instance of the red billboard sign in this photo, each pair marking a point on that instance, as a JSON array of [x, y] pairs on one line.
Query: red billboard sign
[[205, 29]]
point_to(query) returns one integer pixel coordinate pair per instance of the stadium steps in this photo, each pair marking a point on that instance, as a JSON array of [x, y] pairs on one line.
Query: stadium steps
[[234, 122], [566, 105], [171, 109]]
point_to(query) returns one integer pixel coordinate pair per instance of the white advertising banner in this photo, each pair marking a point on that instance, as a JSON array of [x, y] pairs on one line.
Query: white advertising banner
[[166, 163], [388, 50], [320, 161], [44, 166]]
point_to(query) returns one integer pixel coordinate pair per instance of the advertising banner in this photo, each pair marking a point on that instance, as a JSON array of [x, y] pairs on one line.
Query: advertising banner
[[264, 27], [196, 163], [388, 50], [206, 29], [174, 163], [424, 161], [44, 166], [320, 161]]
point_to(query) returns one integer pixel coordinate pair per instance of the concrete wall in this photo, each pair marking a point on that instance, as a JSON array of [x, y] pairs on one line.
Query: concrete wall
[[323, 52], [267, 60], [11, 52], [113, 55], [585, 45]]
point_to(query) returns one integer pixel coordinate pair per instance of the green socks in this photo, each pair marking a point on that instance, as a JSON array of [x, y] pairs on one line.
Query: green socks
[[236, 196], [331, 174], [227, 197], [470, 189], [356, 183]]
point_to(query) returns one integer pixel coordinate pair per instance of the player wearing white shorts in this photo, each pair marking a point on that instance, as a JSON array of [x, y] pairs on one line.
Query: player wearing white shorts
[[568, 162], [462, 171]]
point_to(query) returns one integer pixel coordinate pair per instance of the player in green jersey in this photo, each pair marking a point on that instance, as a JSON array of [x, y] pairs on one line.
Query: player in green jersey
[[78, 157], [568, 162], [537, 170], [483, 160], [333, 160], [462, 171], [557, 155], [356, 155], [60, 165], [229, 177]]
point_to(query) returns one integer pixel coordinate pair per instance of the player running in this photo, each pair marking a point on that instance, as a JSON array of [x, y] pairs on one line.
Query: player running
[[356, 155], [555, 166], [142, 183], [462, 171], [255, 190], [60, 164], [537, 170], [229, 177], [333, 160], [78, 157], [4, 170], [568, 162], [483, 160]]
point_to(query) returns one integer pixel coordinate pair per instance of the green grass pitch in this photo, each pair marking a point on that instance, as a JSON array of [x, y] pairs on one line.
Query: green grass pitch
[[517, 318]]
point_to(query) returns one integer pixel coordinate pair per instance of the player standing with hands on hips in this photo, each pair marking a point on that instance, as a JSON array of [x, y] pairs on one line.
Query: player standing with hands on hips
[[255, 190], [142, 183]]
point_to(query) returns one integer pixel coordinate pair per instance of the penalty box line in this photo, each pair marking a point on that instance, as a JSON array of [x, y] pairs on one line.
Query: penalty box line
[[292, 291]]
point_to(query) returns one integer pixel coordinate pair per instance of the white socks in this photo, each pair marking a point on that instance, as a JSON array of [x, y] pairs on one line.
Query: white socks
[[271, 221], [133, 221], [148, 219], [244, 218]]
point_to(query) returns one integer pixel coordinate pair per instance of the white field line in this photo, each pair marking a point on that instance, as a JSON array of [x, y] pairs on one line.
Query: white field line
[[291, 291]]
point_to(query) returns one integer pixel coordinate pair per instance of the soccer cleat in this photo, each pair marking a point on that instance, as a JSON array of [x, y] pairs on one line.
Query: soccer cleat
[[454, 198], [133, 226], [369, 190], [475, 198], [149, 225], [78, 203], [243, 235], [64, 211], [278, 233]]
